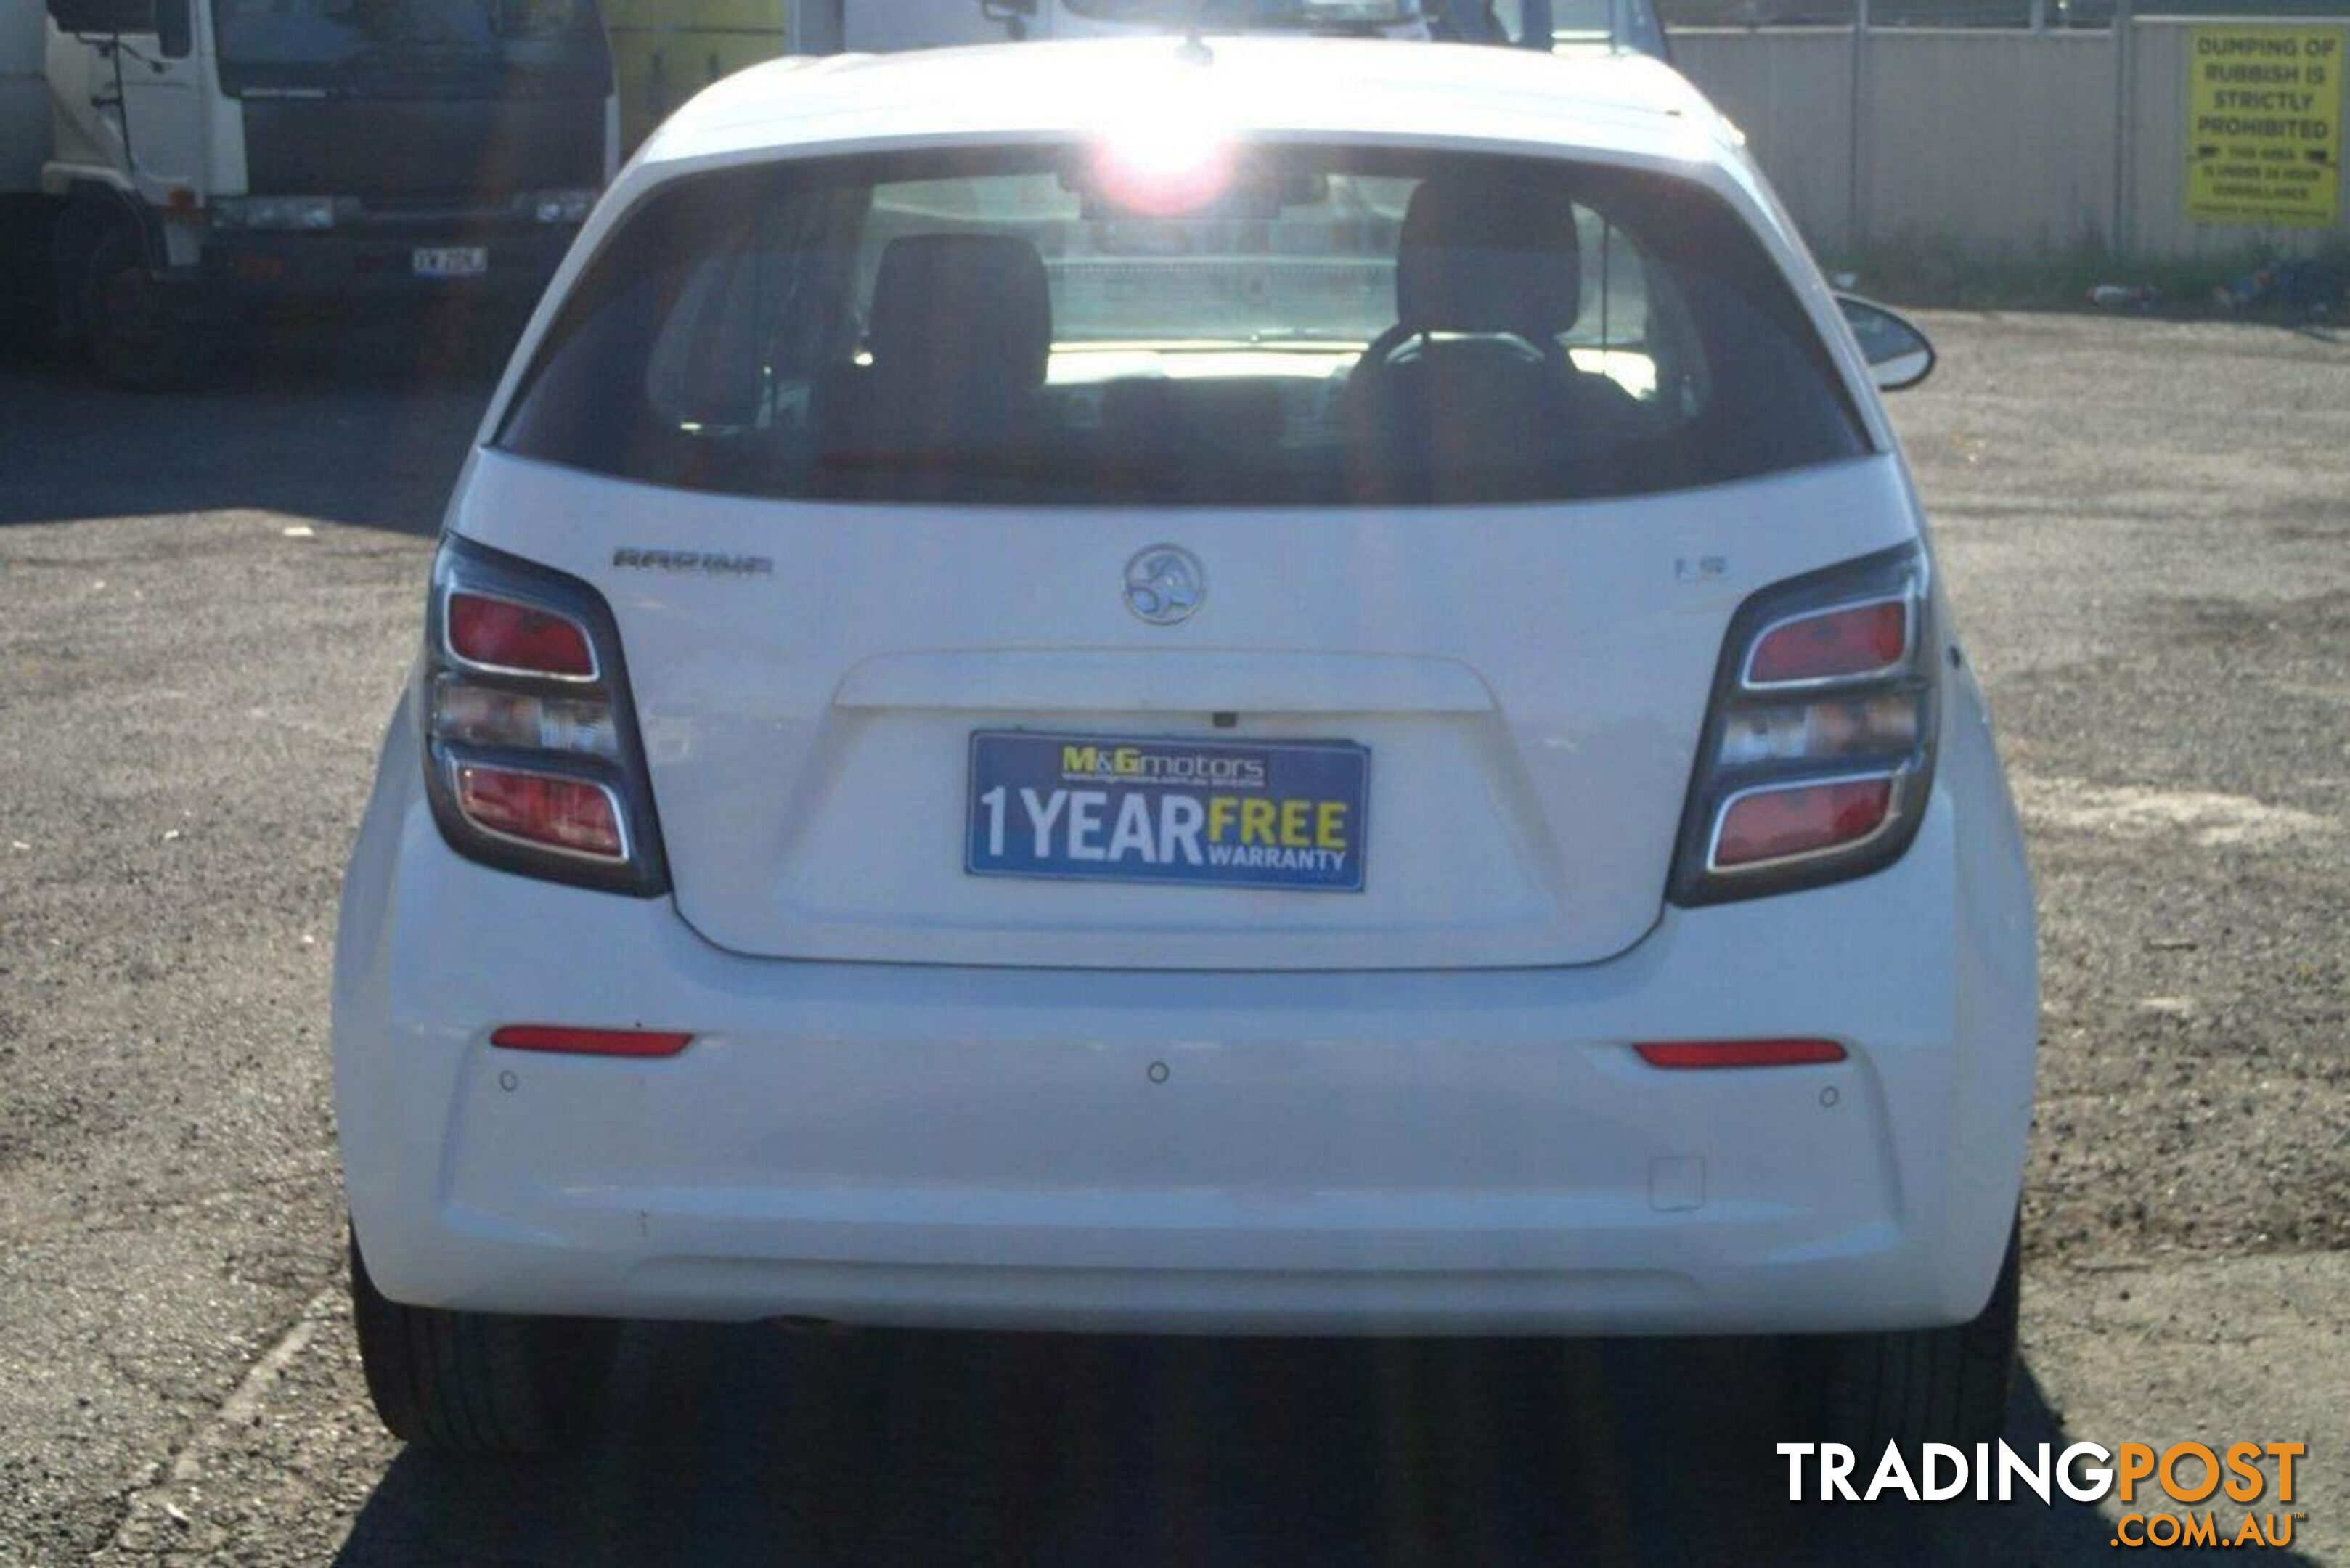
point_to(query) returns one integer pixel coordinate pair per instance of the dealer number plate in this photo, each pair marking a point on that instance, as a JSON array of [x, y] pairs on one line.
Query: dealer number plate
[[450, 260], [1285, 815]]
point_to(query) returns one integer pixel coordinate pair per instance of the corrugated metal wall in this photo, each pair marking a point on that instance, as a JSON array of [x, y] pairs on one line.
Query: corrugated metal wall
[[2000, 144], [1790, 90]]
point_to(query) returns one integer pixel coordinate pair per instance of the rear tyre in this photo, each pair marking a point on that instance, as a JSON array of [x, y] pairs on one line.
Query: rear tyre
[[478, 1382], [136, 336], [1921, 1385]]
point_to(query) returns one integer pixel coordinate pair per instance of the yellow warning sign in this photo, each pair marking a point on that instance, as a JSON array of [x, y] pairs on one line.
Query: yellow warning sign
[[2264, 125]]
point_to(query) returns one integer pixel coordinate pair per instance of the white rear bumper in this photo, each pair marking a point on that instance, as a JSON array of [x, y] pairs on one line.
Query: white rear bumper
[[1404, 1152]]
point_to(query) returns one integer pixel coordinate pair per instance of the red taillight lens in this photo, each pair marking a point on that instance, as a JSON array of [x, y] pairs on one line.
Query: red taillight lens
[[1861, 639], [503, 634], [589, 1042], [571, 815], [1687, 1054], [1773, 824]]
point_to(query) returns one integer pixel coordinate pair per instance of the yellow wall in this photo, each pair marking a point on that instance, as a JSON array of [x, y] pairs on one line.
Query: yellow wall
[[721, 16], [665, 51]]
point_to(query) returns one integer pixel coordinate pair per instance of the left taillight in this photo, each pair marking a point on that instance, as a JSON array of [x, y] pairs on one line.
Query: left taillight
[[1818, 752], [532, 759]]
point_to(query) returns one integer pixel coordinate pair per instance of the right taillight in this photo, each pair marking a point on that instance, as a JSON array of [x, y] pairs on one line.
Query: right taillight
[[1818, 750], [492, 633], [532, 760]]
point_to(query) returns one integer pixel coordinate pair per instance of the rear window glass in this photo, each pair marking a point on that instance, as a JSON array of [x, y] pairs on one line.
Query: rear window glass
[[1266, 327]]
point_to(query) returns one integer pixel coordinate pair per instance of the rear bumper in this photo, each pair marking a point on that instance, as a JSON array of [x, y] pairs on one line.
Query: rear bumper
[[1406, 1152], [379, 263]]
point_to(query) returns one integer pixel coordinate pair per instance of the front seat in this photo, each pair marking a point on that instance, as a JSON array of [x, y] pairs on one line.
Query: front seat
[[1472, 379], [960, 335]]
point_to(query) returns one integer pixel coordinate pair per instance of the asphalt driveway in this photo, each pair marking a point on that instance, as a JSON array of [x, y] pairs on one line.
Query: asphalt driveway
[[208, 602]]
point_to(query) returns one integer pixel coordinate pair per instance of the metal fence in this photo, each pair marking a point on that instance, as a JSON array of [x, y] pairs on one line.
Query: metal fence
[[2036, 15], [2006, 142]]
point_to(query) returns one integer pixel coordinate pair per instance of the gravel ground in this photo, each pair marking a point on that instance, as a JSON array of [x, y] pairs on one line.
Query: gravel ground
[[207, 603]]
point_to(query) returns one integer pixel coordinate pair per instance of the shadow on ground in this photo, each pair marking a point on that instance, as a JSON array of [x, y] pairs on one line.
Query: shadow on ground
[[748, 1445], [333, 418]]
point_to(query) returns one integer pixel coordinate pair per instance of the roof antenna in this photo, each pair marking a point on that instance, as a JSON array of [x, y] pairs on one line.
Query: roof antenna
[[1194, 48]]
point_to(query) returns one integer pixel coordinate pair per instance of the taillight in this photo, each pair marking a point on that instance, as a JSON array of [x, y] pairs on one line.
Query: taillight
[[517, 639], [1775, 821], [576, 814], [1818, 751], [532, 758], [1832, 645]]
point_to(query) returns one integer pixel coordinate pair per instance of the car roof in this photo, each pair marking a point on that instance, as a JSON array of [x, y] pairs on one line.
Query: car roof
[[1344, 90]]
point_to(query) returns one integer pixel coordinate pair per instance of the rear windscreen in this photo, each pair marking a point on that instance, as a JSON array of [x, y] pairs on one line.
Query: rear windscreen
[[1247, 327]]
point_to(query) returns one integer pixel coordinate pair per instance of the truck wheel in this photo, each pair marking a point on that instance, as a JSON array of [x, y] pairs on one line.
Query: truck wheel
[[135, 336], [477, 1383], [1923, 1386]]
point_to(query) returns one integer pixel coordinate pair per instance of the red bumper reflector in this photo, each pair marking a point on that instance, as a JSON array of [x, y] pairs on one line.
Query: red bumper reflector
[[505, 635], [1770, 825], [1841, 642], [1738, 1052], [589, 1042]]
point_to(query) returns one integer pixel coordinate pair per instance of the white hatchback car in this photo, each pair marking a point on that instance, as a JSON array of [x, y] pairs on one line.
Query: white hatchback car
[[1291, 688]]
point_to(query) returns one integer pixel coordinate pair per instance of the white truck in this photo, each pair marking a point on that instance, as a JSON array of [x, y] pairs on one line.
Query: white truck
[[665, 51], [165, 162], [878, 26]]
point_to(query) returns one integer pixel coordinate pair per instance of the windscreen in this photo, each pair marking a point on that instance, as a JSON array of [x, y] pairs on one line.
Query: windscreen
[[414, 36], [1621, 23], [1571, 21], [1269, 327], [1253, 12]]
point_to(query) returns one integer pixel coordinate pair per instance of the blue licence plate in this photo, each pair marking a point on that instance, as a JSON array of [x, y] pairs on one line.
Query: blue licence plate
[[1285, 813]]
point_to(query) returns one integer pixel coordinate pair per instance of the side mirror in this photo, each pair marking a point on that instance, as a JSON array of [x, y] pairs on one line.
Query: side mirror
[[105, 15], [1898, 355], [175, 28]]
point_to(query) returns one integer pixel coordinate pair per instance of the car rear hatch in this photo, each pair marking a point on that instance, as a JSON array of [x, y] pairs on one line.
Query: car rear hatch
[[1179, 557], [1528, 684]]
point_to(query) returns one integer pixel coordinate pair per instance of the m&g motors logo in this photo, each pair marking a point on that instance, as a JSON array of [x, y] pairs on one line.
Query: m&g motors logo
[[2230, 1494], [1153, 764]]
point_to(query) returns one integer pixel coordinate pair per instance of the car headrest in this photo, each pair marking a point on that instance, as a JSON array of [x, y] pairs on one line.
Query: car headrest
[[962, 305], [1488, 256]]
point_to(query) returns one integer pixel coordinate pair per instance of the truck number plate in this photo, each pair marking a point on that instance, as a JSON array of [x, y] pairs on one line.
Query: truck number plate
[[451, 261]]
